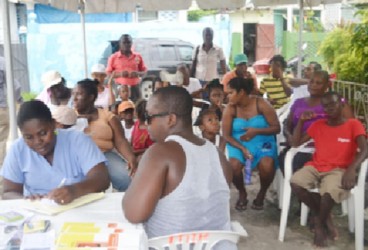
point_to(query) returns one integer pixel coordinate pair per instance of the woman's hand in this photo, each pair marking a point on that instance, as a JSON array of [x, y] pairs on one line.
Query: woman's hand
[[132, 166], [62, 195], [247, 154], [33, 197], [249, 134], [307, 115]]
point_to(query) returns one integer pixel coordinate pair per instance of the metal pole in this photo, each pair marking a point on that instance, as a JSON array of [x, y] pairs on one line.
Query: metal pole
[[83, 22], [301, 24], [13, 134]]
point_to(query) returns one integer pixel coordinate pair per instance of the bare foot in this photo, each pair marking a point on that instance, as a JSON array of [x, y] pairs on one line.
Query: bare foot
[[320, 237], [331, 229]]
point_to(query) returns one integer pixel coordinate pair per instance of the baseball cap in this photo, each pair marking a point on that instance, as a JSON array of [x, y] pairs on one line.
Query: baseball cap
[[64, 115], [98, 68], [125, 105], [240, 58], [51, 78]]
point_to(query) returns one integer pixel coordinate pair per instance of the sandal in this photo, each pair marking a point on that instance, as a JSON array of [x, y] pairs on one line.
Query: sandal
[[241, 205], [256, 206]]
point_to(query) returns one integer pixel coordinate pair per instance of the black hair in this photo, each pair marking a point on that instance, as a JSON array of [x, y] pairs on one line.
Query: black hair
[[316, 66], [280, 59], [115, 105], [124, 35], [240, 83], [207, 29], [176, 100], [332, 94], [140, 108], [202, 114], [214, 84], [324, 74], [89, 86], [34, 109]]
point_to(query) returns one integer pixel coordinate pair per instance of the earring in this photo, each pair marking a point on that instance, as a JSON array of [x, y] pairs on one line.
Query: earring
[[55, 132]]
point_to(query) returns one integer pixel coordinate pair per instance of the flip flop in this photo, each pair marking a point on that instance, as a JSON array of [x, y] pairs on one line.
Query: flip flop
[[256, 206], [241, 205]]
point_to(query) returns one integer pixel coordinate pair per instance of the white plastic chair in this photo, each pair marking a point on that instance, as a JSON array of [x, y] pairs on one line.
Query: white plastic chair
[[355, 202], [197, 240]]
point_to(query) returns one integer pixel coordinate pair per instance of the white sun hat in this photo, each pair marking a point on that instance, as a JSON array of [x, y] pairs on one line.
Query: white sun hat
[[98, 68], [51, 78]]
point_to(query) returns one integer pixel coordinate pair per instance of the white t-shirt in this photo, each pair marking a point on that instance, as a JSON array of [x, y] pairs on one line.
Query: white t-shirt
[[127, 131], [206, 69], [102, 99], [193, 86]]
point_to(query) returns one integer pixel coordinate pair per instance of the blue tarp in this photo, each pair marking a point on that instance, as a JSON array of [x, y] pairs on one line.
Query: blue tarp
[[48, 14]]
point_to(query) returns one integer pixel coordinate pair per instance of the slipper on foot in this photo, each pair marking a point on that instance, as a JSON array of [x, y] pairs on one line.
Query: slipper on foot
[[241, 205], [256, 206]]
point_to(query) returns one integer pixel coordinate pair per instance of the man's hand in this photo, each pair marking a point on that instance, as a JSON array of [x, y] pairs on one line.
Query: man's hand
[[62, 195], [133, 74], [249, 134], [122, 74], [348, 179]]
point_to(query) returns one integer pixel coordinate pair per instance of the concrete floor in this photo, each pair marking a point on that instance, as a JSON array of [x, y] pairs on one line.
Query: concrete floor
[[263, 226]]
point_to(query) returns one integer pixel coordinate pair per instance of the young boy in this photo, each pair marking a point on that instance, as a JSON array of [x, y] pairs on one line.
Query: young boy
[[126, 115], [333, 166], [64, 117]]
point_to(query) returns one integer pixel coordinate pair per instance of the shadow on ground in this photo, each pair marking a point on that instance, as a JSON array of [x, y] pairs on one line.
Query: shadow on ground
[[263, 226]]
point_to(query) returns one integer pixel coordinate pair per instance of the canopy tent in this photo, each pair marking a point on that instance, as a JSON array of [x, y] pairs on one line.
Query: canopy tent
[[93, 6]]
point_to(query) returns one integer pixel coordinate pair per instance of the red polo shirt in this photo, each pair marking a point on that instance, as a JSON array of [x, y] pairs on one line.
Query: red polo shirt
[[119, 62]]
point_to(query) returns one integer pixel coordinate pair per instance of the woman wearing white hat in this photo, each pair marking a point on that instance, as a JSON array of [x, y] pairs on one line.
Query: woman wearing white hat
[[106, 95], [55, 92]]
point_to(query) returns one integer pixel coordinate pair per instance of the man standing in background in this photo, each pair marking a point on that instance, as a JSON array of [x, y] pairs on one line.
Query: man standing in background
[[205, 59], [4, 114], [128, 66]]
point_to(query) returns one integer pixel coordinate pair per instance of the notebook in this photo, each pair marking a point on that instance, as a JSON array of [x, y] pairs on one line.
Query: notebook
[[49, 207]]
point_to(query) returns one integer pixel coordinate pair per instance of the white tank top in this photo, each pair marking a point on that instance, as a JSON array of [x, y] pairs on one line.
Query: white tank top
[[201, 201]]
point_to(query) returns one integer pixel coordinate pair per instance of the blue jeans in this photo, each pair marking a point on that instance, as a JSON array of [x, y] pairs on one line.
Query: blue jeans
[[118, 172]]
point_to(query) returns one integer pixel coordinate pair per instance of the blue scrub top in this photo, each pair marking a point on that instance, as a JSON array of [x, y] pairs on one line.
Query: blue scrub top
[[75, 154]]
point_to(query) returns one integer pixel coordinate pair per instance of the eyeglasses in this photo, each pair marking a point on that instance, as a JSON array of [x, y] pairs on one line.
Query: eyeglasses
[[149, 118]]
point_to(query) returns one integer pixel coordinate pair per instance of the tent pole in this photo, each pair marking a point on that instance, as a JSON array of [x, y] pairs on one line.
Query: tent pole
[[13, 134], [83, 22], [300, 38]]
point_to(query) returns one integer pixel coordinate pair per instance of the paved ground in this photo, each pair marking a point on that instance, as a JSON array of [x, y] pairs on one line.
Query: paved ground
[[263, 226]]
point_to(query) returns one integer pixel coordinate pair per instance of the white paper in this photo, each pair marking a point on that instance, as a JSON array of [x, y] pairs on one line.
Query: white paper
[[38, 241]]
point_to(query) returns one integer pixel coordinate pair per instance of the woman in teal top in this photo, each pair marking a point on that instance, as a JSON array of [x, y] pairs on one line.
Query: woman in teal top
[[249, 125]]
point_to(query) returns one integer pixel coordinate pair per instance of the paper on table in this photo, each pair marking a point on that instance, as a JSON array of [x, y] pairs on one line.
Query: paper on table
[[36, 241], [44, 207]]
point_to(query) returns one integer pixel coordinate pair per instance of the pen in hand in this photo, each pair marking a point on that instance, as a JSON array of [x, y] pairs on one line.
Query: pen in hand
[[62, 182]]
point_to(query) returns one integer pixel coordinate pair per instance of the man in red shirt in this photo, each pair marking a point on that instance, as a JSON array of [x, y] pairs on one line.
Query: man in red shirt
[[334, 164], [127, 66]]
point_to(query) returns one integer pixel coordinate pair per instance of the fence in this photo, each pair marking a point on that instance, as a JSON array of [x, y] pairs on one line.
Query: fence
[[357, 96]]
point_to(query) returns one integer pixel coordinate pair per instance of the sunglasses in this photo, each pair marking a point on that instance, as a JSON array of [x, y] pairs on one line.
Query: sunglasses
[[149, 118]]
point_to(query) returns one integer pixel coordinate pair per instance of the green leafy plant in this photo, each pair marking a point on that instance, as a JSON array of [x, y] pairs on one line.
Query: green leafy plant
[[195, 15], [345, 50], [28, 96]]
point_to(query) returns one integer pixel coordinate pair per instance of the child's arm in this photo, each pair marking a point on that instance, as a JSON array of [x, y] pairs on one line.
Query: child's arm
[[298, 138], [348, 179], [222, 144]]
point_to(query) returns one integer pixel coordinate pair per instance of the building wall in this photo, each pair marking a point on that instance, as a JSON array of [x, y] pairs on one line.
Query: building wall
[[238, 18], [13, 24]]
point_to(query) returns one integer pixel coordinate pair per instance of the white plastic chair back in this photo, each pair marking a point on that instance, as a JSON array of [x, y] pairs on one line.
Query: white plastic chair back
[[197, 240]]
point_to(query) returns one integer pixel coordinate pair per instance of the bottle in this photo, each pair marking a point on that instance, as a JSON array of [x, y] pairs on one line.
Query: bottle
[[248, 172]]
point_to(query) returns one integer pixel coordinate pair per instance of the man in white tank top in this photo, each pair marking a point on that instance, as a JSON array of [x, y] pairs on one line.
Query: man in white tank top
[[182, 181]]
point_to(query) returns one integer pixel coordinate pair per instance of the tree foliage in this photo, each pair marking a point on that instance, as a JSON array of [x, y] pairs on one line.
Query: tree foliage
[[195, 15], [345, 50]]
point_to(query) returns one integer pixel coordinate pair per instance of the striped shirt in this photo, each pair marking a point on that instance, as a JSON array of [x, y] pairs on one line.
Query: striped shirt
[[273, 88]]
